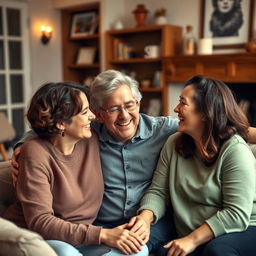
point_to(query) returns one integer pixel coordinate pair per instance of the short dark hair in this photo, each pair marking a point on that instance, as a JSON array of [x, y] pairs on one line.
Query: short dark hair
[[222, 115], [53, 103]]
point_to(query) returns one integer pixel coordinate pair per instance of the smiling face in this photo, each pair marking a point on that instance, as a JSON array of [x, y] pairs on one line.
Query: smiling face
[[191, 122], [225, 6], [122, 124], [80, 127]]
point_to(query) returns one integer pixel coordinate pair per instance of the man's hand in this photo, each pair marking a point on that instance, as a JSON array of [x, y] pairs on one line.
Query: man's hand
[[121, 238], [140, 227], [180, 247], [15, 165], [140, 224]]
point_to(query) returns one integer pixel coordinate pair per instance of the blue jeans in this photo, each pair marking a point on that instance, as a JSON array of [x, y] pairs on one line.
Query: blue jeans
[[161, 233], [65, 249], [232, 244]]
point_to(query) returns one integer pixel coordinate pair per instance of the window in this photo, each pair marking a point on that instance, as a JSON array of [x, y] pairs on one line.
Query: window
[[14, 63]]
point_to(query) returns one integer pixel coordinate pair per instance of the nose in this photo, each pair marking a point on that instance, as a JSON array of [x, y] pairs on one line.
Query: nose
[[91, 115], [123, 112], [176, 109]]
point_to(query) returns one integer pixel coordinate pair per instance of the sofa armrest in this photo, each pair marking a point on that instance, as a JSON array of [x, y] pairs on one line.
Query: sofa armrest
[[7, 191]]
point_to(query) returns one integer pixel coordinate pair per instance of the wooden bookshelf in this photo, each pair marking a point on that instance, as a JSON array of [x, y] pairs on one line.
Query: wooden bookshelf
[[72, 44], [125, 52]]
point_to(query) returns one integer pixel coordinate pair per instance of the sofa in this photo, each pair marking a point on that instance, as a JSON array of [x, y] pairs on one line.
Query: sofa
[[17, 241]]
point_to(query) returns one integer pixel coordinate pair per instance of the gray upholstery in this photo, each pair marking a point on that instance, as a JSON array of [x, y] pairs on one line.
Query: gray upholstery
[[7, 193]]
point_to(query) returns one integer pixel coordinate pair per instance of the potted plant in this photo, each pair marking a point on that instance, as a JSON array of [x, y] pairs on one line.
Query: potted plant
[[160, 16]]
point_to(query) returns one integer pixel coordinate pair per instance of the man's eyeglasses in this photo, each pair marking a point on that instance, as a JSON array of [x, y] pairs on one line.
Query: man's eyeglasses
[[129, 107]]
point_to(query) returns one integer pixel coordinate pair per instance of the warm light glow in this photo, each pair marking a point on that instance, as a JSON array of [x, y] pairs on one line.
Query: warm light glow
[[47, 29], [46, 33]]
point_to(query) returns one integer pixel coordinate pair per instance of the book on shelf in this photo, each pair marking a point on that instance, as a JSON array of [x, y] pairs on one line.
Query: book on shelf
[[121, 50]]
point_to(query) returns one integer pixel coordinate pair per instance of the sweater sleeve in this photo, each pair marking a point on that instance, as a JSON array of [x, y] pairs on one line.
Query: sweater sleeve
[[157, 196], [238, 190], [34, 192]]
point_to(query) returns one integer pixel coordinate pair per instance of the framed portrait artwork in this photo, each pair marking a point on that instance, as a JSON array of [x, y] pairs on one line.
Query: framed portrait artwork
[[83, 24], [229, 23]]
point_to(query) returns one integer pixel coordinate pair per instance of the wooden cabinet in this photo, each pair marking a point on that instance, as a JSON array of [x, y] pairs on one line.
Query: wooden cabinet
[[72, 44], [233, 68], [125, 51]]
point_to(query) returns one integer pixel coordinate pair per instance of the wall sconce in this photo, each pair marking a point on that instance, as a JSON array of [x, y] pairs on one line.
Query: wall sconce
[[46, 34]]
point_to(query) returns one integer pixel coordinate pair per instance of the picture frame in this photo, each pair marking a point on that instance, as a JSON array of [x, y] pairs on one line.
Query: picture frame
[[83, 24], [86, 55], [234, 34]]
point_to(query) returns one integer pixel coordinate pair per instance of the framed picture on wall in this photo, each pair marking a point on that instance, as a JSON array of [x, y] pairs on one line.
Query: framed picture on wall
[[228, 23], [83, 24], [86, 55]]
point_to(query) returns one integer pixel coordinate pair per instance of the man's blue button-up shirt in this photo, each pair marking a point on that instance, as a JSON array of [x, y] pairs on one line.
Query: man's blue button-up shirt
[[128, 168]]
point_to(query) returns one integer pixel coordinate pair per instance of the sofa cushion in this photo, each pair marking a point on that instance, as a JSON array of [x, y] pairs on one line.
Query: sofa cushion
[[15, 241], [7, 193]]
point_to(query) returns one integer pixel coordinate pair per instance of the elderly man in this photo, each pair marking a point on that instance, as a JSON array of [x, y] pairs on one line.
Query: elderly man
[[130, 145]]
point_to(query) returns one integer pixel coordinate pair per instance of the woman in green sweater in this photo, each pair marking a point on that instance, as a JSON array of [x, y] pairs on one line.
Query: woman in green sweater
[[207, 173]]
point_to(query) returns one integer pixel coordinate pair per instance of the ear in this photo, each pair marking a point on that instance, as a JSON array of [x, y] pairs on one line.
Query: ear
[[60, 126]]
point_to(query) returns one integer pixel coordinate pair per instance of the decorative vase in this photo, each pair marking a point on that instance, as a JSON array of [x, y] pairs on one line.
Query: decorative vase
[[251, 46], [145, 83], [140, 14]]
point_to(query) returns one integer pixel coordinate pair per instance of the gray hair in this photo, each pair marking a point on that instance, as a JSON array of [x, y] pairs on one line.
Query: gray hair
[[107, 82]]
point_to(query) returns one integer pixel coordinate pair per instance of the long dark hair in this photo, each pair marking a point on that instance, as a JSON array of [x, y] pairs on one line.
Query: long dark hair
[[53, 103], [223, 118]]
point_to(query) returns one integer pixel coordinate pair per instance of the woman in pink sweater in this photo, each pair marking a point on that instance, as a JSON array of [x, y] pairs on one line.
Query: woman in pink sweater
[[60, 185]]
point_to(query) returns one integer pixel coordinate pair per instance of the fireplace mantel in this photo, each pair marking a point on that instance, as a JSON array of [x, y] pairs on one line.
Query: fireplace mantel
[[226, 67]]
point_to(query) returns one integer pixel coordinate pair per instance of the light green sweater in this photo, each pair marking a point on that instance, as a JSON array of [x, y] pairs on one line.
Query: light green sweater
[[222, 195]]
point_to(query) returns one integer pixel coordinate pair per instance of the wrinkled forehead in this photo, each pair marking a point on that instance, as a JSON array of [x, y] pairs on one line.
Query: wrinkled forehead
[[119, 96]]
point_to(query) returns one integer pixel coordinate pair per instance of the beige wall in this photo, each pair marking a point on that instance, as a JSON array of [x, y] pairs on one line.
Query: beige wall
[[46, 60]]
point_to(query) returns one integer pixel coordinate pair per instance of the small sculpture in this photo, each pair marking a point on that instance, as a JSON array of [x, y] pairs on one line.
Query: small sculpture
[[140, 15]]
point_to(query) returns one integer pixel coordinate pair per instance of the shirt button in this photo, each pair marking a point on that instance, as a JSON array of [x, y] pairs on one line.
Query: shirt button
[[129, 187], [128, 202]]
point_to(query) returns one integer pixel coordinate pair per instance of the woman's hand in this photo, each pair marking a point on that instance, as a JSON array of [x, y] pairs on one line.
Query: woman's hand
[[15, 165], [181, 247], [121, 238], [187, 244]]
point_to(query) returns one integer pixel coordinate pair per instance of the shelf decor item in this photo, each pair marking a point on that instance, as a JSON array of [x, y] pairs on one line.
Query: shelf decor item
[[85, 55], [160, 16], [140, 14], [251, 46], [189, 42], [83, 24]]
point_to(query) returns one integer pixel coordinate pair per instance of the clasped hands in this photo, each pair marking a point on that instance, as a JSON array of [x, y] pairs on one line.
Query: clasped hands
[[128, 237]]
